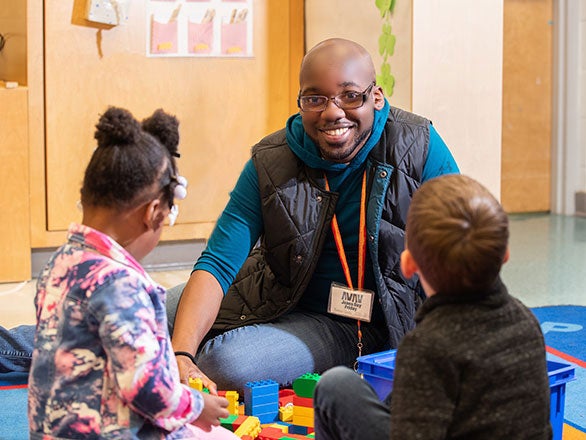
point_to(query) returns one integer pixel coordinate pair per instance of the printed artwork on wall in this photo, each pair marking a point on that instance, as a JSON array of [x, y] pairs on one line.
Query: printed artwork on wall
[[199, 28]]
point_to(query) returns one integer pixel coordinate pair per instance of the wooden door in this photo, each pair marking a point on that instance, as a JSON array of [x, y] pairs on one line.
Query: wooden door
[[527, 105], [224, 105]]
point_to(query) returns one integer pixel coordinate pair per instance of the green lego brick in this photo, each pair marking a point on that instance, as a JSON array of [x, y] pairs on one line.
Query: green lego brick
[[305, 384]]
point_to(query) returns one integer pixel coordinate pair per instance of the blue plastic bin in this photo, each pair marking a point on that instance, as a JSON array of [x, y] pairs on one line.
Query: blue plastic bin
[[378, 370], [559, 374]]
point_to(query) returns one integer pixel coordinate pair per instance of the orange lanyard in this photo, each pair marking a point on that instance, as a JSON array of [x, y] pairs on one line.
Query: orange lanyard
[[361, 248]]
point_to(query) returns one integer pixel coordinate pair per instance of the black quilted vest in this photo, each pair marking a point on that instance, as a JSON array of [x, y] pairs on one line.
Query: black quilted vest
[[297, 212]]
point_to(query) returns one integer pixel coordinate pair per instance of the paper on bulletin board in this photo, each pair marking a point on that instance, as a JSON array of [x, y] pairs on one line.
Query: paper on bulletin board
[[199, 28]]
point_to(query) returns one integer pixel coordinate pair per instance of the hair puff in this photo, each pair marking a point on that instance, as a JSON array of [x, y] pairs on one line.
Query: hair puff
[[165, 128], [117, 126]]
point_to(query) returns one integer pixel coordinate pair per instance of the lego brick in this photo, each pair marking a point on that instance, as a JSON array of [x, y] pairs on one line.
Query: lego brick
[[196, 383], [303, 421], [305, 384], [286, 413], [232, 397], [302, 401], [251, 427], [228, 422], [294, 437], [286, 396], [261, 399], [299, 429], [267, 417], [240, 419], [262, 387], [270, 433], [302, 411]]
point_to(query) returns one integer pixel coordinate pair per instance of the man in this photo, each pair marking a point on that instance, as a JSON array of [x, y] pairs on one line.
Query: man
[[326, 199]]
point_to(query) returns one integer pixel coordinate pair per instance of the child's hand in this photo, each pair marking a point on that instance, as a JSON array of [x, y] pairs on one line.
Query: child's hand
[[214, 408], [188, 369]]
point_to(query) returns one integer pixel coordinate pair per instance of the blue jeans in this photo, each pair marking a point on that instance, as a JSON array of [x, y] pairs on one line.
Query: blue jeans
[[347, 407], [16, 348], [281, 350]]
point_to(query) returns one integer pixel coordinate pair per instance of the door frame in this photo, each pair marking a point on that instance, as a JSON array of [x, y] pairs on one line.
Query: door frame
[[566, 176]]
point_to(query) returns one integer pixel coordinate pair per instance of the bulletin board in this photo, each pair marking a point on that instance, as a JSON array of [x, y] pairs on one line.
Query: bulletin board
[[200, 28]]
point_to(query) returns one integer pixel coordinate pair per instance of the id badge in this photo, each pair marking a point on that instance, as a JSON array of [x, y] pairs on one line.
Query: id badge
[[350, 303]]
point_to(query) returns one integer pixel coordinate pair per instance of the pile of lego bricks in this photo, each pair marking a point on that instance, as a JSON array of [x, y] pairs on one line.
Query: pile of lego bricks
[[270, 413]]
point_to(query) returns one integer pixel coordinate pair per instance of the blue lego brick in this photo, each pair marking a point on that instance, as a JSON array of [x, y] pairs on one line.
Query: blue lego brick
[[268, 417], [260, 393], [261, 400], [298, 429], [262, 387]]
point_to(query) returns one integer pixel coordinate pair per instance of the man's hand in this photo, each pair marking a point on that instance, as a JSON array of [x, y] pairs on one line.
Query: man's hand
[[214, 408], [188, 369]]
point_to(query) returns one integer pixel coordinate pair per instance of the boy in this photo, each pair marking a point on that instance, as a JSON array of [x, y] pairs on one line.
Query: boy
[[474, 366]]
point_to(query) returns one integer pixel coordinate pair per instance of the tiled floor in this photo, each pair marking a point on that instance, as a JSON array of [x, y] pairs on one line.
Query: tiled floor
[[547, 267], [548, 260], [16, 300]]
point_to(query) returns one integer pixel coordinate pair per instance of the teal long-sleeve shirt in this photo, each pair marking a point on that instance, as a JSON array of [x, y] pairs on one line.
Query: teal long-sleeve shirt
[[240, 226]]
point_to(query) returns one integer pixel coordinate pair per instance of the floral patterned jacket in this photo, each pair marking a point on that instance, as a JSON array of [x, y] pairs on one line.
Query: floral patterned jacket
[[103, 366]]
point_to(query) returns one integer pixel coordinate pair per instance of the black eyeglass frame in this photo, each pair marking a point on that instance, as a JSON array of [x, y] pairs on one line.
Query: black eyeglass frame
[[334, 99]]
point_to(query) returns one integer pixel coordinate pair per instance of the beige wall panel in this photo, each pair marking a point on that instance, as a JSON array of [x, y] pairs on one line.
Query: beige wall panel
[[13, 28], [15, 262], [40, 237], [527, 105], [224, 105], [360, 20]]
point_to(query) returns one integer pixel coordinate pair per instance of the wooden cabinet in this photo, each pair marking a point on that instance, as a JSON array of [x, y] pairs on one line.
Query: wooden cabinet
[[15, 260], [224, 105], [76, 69]]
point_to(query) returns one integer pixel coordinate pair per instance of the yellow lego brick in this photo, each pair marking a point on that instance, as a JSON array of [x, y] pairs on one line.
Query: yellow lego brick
[[251, 427], [196, 383], [232, 397], [303, 421], [286, 413], [302, 411]]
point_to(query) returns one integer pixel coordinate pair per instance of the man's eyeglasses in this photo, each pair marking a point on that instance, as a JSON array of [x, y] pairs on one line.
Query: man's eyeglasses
[[346, 101]]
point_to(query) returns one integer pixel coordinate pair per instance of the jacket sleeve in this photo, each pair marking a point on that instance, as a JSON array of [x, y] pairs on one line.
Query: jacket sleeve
[[140, 359]]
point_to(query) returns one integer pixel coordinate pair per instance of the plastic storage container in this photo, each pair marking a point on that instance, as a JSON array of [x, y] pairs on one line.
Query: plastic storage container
[[378, 370], [559, 374]]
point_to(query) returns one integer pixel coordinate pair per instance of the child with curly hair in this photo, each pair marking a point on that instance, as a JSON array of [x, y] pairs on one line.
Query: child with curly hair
[[103, 366]]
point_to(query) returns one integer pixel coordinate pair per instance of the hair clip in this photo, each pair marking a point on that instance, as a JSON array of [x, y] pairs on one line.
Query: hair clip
[[180, 191], [173, 213]]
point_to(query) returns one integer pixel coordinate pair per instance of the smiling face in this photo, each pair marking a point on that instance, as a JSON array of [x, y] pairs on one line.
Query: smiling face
[[330, 69]]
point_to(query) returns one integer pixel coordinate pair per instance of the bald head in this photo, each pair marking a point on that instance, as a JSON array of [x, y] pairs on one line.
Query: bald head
[[338, 53]]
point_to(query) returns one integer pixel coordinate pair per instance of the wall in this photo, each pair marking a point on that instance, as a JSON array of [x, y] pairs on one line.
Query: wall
[[212, 97], [457, 80], [360, 20], [13, 27]]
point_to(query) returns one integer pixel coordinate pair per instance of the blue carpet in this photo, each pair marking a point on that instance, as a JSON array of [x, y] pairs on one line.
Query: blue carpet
[[13, 413], [564, 328]]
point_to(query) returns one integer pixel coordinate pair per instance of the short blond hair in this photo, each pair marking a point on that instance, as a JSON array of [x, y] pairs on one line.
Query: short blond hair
[[457, 233]]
